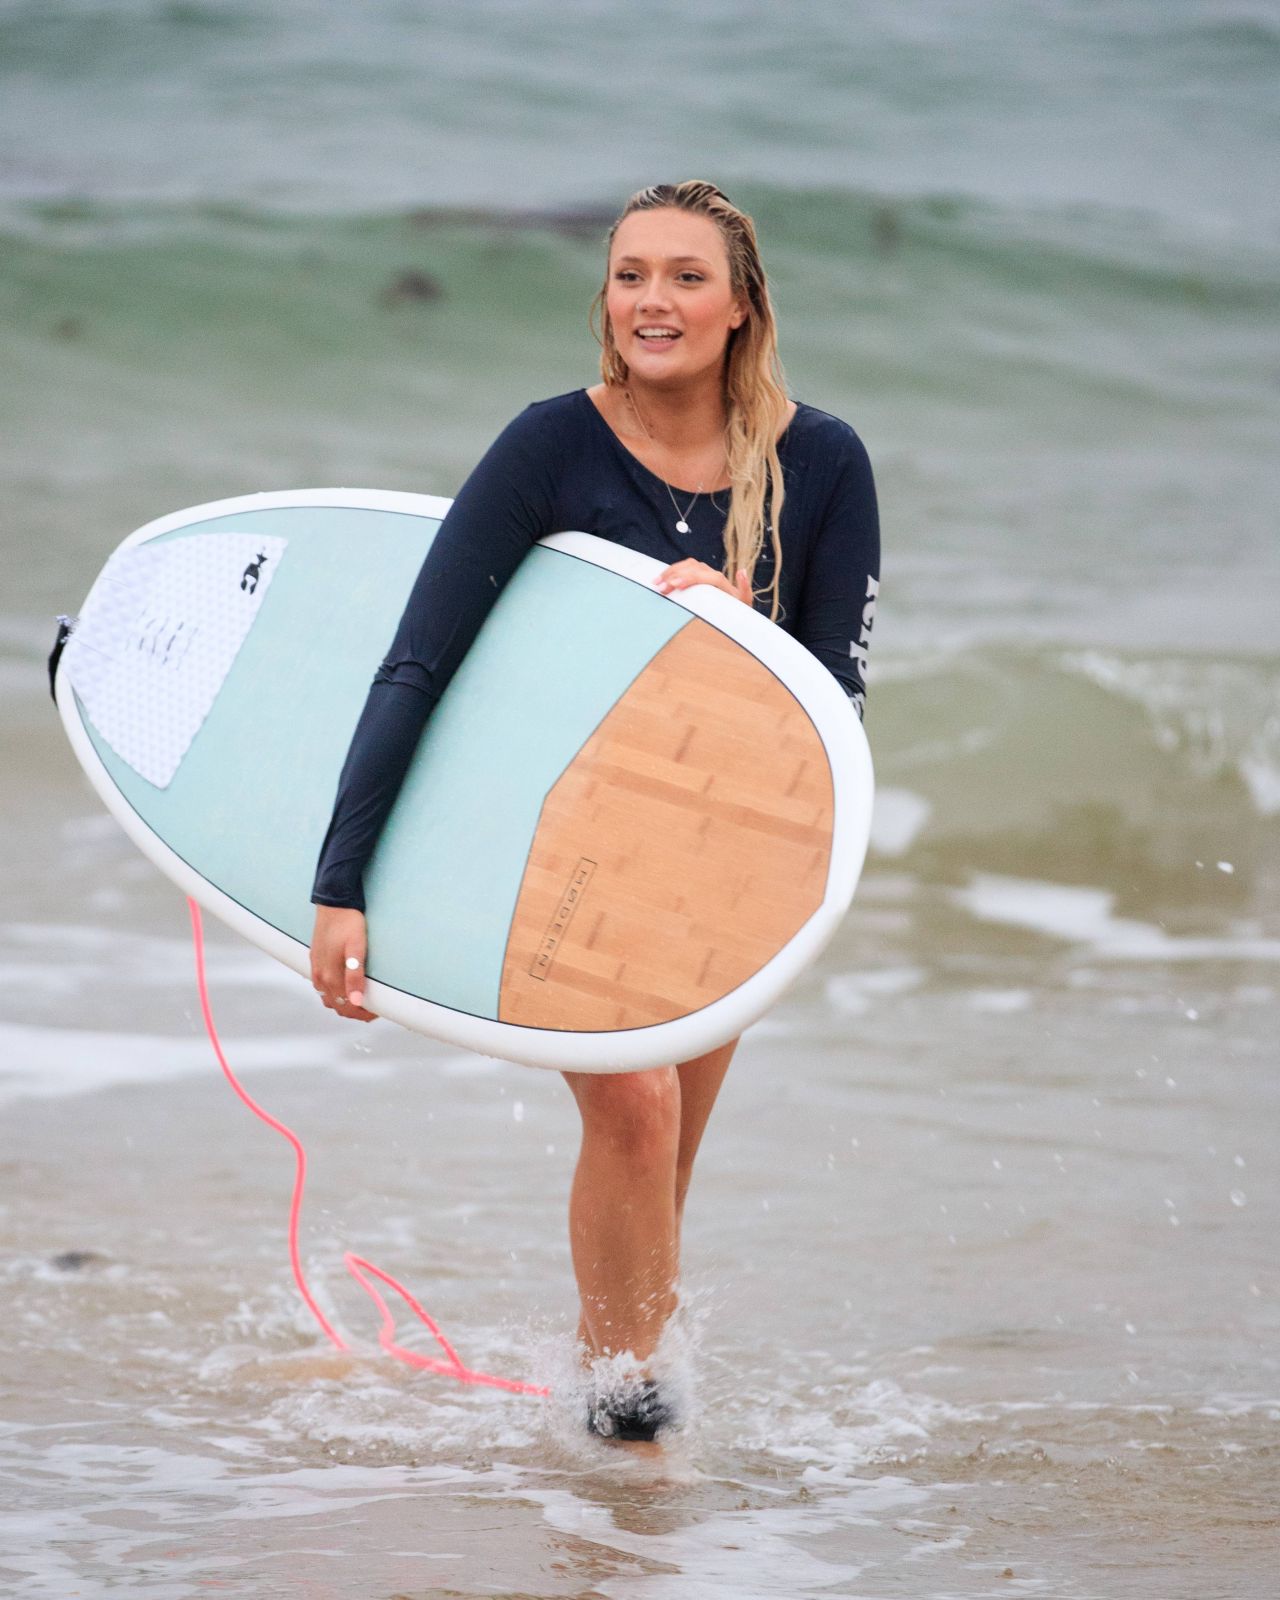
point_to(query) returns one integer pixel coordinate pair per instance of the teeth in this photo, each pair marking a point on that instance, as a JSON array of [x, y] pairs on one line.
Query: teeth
[[655, 333]]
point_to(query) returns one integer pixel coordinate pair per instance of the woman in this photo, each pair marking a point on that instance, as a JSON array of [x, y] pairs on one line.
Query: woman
[[690, 451]]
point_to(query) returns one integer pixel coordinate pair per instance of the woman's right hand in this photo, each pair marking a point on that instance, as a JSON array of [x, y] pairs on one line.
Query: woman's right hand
[[338, 948]]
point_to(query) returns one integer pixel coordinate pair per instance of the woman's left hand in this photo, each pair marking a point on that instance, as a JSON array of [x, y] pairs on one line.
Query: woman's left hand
[[688, 572]]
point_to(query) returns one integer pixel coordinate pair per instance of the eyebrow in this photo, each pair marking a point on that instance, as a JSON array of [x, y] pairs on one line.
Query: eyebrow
[[702, 260]]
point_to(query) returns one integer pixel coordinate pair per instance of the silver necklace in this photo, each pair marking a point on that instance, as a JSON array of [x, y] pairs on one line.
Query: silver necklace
[[682, 517]]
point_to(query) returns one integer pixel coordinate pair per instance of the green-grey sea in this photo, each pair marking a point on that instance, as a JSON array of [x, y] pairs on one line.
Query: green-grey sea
[[981, 1292]]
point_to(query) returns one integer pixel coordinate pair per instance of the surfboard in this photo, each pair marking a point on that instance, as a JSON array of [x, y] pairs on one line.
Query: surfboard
[[632, 821]]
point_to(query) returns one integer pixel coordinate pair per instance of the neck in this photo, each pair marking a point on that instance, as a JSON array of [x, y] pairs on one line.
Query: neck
[[687, 416]]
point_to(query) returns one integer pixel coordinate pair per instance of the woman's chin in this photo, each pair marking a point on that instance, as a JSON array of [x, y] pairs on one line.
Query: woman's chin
[[655, 364], [665, 371]]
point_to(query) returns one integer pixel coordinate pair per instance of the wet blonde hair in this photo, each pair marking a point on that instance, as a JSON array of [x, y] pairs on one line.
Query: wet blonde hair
[[755, 393]]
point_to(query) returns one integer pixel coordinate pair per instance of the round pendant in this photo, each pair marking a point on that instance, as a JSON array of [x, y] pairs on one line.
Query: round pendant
[[682, 526]]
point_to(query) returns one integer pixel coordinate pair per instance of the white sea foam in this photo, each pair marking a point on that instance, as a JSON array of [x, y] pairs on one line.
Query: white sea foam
[[880, 1421], [52, 956], [1001, 1001], [764, 1550], [1083, 915], [47, 1063], [896, 820], [854, 993]]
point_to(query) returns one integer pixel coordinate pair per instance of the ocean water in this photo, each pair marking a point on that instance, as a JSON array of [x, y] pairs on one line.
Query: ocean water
[[980, 1292]]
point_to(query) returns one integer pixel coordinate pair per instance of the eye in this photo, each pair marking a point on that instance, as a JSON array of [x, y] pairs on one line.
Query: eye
[[626, 274], [695, 277]]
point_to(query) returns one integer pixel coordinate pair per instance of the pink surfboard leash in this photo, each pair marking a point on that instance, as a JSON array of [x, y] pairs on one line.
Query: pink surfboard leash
[[360, 1269]]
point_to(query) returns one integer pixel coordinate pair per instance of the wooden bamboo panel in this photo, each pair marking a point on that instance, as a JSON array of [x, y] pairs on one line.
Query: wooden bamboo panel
[[687, 842]]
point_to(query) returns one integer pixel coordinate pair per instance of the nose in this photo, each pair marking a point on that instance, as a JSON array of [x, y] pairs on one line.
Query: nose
[[656, 296]]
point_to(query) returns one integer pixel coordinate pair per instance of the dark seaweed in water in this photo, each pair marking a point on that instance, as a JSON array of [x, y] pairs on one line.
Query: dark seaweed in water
[[77, 1260], [413, 287]]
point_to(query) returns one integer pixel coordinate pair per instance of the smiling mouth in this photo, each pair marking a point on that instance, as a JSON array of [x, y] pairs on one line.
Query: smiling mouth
[[657, 336]]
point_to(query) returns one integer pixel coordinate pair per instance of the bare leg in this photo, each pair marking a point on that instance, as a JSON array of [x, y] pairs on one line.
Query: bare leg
[[640, 1134], [700, 1081], [622, 1212]]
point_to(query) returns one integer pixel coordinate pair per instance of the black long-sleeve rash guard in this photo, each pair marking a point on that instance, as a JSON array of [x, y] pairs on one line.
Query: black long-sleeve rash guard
[[560, 466]]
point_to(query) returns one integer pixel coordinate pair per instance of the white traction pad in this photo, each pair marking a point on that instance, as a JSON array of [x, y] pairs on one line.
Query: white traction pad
[[146, 674]]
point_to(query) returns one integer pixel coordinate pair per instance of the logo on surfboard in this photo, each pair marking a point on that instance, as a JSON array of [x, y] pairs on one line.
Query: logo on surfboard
[[569, 902], [253, 572]]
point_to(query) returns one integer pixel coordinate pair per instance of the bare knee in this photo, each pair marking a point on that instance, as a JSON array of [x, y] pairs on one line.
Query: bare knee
[[634, 1115]]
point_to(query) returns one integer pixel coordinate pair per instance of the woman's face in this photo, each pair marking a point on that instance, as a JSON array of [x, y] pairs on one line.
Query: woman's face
[[669, 297]]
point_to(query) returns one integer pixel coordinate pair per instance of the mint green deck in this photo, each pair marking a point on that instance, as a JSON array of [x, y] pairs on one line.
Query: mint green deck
[[249, 805]]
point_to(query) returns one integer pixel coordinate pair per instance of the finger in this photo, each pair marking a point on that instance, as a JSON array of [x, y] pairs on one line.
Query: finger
[[324, 975], [743, 584], [342, 1007], [329, 987], [685, 574], [353, 976], [325, 982]]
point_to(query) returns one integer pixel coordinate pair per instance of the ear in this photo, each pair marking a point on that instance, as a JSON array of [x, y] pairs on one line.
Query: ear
[[739, 314]]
